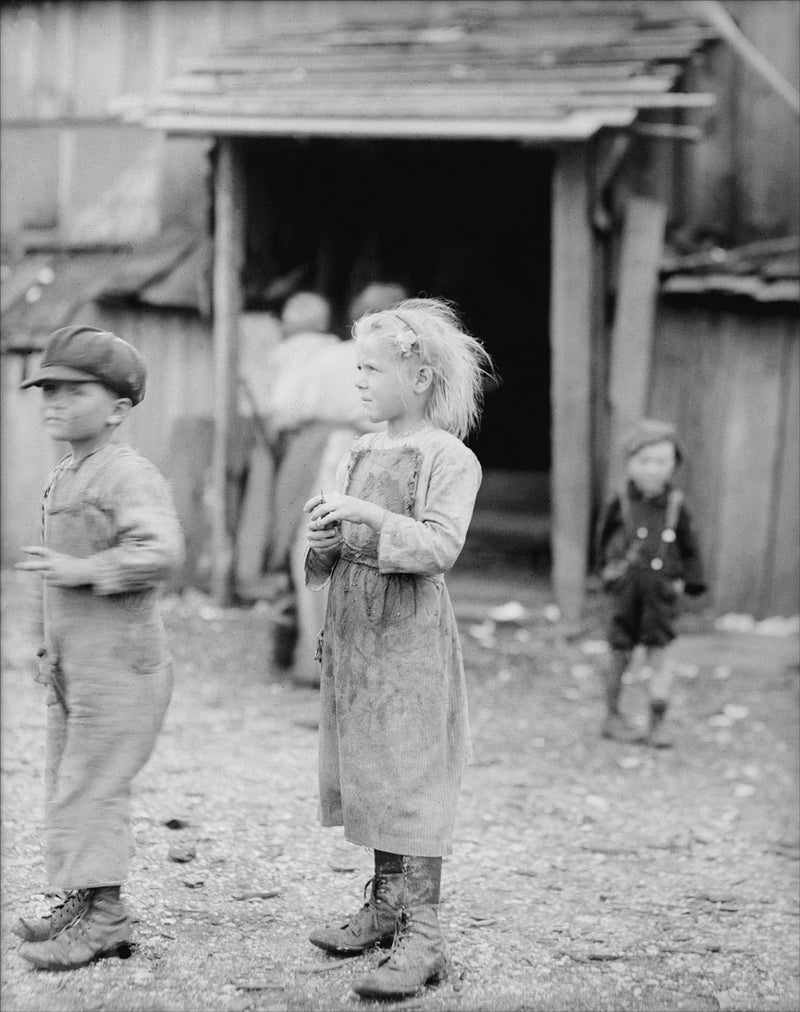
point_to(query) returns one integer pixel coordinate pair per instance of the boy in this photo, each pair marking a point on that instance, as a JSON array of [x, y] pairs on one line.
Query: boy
[[110, 536], [649, 554]]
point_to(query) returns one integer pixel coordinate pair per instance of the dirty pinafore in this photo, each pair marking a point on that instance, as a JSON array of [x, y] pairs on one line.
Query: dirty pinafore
[[394, 732], [105, 658]]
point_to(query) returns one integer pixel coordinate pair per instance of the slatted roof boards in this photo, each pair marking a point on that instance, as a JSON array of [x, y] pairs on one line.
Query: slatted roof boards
[[554, 71]]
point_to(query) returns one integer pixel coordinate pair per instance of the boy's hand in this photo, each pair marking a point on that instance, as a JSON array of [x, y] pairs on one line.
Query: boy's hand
[[60, 570], [329, 509]]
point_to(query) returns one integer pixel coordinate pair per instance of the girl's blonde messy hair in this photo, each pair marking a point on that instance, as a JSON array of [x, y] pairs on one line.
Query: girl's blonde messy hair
[[430, 332]]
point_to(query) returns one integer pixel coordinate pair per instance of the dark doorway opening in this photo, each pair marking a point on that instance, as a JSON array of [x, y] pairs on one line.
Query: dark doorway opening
[[467, 221]]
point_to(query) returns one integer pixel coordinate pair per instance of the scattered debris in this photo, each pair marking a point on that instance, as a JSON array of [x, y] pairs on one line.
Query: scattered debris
[[257, 894], [257, 985], [182, 853], [322, 967], [594, 648], [176, 824], [511, 612], [778, 626]]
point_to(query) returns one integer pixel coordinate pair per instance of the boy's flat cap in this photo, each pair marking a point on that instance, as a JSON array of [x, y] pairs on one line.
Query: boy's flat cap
[[85, 354], [648, 431]]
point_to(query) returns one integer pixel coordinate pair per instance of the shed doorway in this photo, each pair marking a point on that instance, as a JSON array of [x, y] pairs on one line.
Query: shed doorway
[[469, 221]]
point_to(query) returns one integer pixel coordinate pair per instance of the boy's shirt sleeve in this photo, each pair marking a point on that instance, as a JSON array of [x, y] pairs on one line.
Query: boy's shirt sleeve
[[688, 545], [148, 543], [431, 544]]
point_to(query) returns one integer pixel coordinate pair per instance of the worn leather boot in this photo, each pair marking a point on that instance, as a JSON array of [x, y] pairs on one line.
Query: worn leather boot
[[418, 953], [657, 736], [101, 929], [374, 923], [615, 726], [62, 914]]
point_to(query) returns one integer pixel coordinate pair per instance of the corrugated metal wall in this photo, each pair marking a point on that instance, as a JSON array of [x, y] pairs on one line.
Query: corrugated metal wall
[[729, 381]]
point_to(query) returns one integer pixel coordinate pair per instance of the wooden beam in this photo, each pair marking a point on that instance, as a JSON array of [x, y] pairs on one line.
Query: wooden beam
[[228, 304], [574, 126], [571, 327], [632, 340]]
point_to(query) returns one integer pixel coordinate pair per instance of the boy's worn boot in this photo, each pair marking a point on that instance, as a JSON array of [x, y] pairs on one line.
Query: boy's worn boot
[[101, 929], [656, 735], [62, 914], [418, 952], [374, 923], [615, 726]]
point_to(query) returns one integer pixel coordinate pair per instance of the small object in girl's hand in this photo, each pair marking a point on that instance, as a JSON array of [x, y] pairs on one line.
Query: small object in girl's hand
[[332, 523]]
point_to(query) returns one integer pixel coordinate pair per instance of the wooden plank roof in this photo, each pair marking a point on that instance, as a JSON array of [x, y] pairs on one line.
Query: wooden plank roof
[[537, 71], [764, 271]]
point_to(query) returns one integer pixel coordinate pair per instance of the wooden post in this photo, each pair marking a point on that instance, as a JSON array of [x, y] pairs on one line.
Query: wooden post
[[634, 315], [571, 340], [228, 304]]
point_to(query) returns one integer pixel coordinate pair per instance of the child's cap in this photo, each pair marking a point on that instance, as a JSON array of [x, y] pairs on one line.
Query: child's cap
[[85, 354], [649, 431]]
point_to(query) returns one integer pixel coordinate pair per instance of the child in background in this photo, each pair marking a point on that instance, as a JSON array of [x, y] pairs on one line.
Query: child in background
[[394, 734], [650, 557], [110, 536]]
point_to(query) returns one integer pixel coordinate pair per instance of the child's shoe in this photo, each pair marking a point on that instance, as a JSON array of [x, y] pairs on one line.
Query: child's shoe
[[417, 957], [657, 736], [617, 728], [101, 929], [374, 924], [62, 914]]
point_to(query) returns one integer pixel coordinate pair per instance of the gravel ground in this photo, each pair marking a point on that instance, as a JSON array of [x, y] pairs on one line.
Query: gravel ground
[[585, 875]]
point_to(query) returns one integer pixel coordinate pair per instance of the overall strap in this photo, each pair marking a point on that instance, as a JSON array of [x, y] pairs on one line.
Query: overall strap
[[674, 503], [627, 516]]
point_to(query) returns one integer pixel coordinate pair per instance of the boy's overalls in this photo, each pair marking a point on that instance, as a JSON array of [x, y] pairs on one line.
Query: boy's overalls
[[646, 545], [105, 658]]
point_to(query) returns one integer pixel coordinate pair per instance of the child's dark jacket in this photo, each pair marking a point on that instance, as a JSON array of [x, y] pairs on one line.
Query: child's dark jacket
[[680, 558]]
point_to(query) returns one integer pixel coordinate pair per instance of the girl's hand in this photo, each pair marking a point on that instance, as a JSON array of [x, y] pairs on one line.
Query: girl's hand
[[335, 507], [324, 539], [60, 570], [680, 586]]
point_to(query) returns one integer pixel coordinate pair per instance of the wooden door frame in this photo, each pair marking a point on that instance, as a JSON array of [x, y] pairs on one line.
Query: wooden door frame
[[572, 310]]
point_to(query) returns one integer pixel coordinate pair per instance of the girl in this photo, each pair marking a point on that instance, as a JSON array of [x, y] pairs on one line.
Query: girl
[[393, 732]]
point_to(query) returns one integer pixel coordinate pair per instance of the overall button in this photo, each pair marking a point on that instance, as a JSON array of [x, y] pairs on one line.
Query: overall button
[[641, 532], [656, 564], [668, 535]]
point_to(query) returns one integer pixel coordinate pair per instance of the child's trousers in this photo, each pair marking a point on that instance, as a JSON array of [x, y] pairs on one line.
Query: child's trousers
[[101, 730]]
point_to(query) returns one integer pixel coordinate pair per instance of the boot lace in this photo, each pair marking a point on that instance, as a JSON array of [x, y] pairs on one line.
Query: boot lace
[[402, 934], [71, 905]]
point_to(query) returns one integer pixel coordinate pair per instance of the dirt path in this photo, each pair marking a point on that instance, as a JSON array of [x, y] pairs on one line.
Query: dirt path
[[586, 875]]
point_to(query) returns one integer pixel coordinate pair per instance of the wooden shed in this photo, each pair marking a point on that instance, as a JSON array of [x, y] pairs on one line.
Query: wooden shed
[[726, 370], [461, 151]]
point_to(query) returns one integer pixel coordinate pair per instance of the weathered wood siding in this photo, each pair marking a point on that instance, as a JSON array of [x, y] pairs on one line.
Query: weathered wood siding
[[729, 381], [63, 63], [177, 348]]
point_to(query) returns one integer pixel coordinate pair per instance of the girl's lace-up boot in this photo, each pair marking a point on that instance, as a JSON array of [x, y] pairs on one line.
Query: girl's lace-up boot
[[62, 914], [101, 929], [418, 952], [374, 923]]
